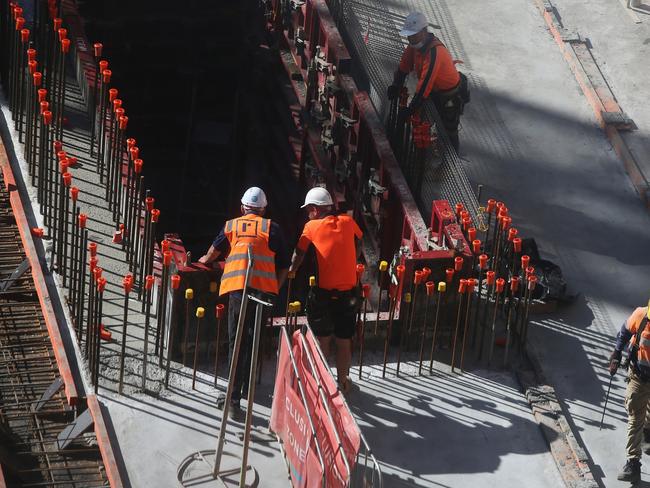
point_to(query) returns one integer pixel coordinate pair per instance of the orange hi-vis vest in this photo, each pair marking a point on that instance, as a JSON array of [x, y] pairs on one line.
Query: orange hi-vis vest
[[643, 348], [249, 230]]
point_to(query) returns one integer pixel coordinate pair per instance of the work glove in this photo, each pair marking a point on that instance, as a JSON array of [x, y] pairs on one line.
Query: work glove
[[614, 362], [393, 92]]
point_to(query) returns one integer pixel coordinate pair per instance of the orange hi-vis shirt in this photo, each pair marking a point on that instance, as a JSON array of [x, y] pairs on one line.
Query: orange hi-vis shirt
[[249, 231], [333, 239], [632, 324], [433, 65]]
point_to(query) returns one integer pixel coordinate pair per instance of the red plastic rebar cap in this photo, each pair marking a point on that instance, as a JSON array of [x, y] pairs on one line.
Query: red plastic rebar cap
[[530, 271], [130, 142], [106, 75], [516, 243], [489, 276], [117, 108], [471, 233], [427, 272], [127, 284], [104, 334], [92, 265], [467, 222], [148, 282], [112, 95], [24, 35], [449, 275], [476, 246], [431, 287], [525, 259], [491, 205], [57, 22], [124, 120], [117, 237], [459, 209], [37, 232], [65, 46], [400, 271], [512, 233], [44, 104], [74, 193], [514, 284], [67, 179], [61, 155], [458, 263], [220, 310], [135, 152], [103, 65], [97, 272], [176, 282], [92, 247], [365, 290], [20, 22], [482, 261], [471, 283], [97, 49], [464, 214], [417, 277], [63, 165], [137, 166], [462, 286], [165, 245], [505, 222], [63, 33], [47, 117], [31, 54], [149, 201], [82, 220], [155, 215], [101, 284], [501, 283], [58, 146], [167, 258], [37, 79]]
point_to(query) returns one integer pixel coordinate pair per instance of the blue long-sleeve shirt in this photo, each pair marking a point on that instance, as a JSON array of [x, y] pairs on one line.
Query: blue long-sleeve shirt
[[623, 337]]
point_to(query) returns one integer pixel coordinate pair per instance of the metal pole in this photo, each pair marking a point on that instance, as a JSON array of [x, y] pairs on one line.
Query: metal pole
[[233, 366]]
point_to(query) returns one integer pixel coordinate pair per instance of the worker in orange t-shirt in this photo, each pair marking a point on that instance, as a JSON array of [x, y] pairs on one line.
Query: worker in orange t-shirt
[[333, 303], [438, 78]]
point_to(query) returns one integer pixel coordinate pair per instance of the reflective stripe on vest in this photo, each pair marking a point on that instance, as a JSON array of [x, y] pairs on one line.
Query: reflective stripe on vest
[[244, 232]]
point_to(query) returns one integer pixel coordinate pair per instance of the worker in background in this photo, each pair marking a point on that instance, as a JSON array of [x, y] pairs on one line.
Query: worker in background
[[270, 264], [438, 78], [636, 333], [333, 303]]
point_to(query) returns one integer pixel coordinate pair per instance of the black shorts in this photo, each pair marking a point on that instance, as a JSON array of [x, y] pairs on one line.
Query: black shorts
[[332, 312]]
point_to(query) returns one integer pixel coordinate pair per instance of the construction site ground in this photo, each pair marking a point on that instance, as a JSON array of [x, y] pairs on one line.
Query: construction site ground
[[531, 139]]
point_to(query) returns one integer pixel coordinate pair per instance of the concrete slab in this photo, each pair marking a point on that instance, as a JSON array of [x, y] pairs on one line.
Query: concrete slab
[[531, 139]]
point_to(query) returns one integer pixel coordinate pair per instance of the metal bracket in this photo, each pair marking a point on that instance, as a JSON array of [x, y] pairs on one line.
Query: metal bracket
[[49, 393], [15, 276], [620, 120], [80, 425]]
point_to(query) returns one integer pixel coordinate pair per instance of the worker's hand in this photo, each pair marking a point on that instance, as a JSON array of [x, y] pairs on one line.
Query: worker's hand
[[204, 259], [392, 92], [614, 362]]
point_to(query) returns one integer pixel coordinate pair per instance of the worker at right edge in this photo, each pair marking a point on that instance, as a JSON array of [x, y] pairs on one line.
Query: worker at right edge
[[636, 333], [438, 78], [333, 303]]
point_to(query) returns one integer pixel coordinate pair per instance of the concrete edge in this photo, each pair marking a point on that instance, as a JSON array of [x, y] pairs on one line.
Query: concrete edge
[[571, 458], [631, 166], [111, 465], [38, 275]]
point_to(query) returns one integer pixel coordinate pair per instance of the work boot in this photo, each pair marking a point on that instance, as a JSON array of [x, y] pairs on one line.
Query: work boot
[[631, 471], [646, 441]]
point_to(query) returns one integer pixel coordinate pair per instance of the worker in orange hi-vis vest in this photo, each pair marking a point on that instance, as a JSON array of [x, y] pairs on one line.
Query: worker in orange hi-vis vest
[[270, 264], [438, 78], [635, 333], [333, 301]]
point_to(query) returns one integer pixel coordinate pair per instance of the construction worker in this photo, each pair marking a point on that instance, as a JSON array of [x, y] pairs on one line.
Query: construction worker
[[270, 264], [636, 333], [333, 303], [438, 78]]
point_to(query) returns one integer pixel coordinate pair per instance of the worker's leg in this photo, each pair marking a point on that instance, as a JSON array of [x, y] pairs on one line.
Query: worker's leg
[[234, 306], [345, 314], [636, 404], [646, 432], [320, 318], [245, 353], [325, 344], [449, 110]]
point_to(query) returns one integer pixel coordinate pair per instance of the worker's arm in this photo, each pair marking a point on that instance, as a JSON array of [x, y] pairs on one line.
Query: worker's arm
[[210, 256], [623, 337], [296, 260], [278, 245]]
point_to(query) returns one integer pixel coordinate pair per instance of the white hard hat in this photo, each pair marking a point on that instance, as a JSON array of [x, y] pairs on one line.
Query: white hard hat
[[318, 196], [254, 197], [414, 23]]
